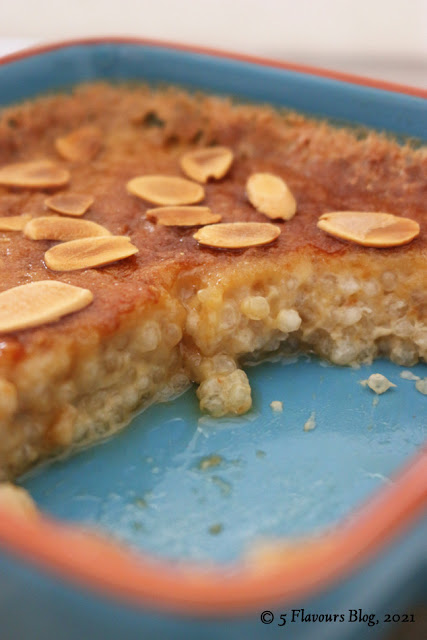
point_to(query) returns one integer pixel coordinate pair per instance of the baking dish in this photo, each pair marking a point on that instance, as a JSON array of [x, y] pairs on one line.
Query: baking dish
[[82, 584]]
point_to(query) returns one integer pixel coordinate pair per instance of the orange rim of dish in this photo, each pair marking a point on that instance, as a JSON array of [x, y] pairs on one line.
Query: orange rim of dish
[[291, 570]]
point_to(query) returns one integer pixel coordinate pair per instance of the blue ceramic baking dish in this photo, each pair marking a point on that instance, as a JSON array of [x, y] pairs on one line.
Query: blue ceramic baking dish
[[322, 533]]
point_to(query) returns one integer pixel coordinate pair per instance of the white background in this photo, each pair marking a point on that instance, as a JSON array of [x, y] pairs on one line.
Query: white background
[[379, 38]]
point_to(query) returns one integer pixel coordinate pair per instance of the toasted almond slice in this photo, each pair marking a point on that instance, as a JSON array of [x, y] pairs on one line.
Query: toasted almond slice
[[211, 162], [62, 229], [70, 204], [369, 229], [271, 196], [89, 252], [166, 190], [183, 216], [36, 303], [237, 235], [43, 174], [17, 500], [81, 145], [14, 223]]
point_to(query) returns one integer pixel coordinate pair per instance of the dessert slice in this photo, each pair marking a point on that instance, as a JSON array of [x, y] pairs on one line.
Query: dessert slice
[[168, 304]]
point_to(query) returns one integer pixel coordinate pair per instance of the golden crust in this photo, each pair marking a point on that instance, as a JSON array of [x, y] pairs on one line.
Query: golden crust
[[147, 132], [325, 172]]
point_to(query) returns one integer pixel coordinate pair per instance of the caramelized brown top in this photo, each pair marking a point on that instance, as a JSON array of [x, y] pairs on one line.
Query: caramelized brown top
[[147, 132]]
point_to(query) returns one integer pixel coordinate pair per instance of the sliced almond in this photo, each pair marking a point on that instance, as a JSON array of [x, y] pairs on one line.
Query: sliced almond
[[62, 229], [183, 216], [43, 174], [369, 229], [166, 190], [237, 235], [89, 252], [37, 303], [81, 145], [271, 196], [14, 223], [211, 162], [70, 204]]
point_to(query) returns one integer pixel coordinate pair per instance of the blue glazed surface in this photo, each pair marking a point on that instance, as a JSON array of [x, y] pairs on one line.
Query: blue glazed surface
[[273, 478], [256, 476], [34, 605], [401, 114]]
